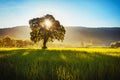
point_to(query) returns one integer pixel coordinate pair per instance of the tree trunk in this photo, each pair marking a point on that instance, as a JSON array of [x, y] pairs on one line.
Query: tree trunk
[[44, 43], [45, 40]]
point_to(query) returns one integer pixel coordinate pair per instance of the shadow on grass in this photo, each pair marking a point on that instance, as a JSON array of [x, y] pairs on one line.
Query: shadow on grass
[[35, 64]]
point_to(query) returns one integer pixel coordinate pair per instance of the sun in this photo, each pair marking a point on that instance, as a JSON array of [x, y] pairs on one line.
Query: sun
[[48, 23]]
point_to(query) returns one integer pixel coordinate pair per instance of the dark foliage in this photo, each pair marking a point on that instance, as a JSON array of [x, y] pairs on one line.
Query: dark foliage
[[40, 31], [9, 42], [115, 44]]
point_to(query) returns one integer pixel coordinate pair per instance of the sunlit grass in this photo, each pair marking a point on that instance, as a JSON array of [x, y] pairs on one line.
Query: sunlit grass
[[107, 51], [60, 64]]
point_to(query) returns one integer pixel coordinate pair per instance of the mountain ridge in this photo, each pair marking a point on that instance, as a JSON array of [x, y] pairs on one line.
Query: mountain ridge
[[74, 35]]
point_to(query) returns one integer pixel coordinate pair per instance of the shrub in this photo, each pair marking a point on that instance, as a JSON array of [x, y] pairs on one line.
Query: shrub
[[115, 44]]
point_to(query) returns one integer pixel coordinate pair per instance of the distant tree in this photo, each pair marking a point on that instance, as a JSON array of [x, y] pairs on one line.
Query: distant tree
[[46, 28], [27, 43], [115, 44], [8, 42], [91, 43], [1, 43], [82, 44], [19, 43]]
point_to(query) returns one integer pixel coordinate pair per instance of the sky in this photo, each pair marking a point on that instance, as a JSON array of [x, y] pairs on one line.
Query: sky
[[87, 13]]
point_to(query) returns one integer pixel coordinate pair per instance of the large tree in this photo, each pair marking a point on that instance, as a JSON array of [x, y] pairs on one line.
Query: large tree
[[46, 28]]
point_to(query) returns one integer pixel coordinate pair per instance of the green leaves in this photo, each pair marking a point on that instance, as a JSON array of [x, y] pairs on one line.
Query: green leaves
[[40, 32]]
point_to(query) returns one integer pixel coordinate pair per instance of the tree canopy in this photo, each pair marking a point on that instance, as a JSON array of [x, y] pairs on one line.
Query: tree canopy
[[46, 28]]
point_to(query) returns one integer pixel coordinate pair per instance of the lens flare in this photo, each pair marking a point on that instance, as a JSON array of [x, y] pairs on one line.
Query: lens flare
[[48, 23]]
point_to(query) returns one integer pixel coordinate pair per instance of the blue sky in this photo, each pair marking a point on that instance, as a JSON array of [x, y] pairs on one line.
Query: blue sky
[[89, 13]]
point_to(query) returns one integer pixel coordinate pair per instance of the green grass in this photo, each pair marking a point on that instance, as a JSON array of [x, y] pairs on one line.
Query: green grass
[[60, 64]]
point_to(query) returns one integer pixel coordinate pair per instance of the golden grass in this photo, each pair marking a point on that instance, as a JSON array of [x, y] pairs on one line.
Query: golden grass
[[60, 64], [105, 51]]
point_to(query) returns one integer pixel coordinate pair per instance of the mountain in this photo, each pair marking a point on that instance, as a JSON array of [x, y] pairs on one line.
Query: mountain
[[19, 32], [74, 35], [98, 36]]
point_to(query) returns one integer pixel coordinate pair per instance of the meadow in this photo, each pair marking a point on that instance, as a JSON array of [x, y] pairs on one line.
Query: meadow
[[60, 64]]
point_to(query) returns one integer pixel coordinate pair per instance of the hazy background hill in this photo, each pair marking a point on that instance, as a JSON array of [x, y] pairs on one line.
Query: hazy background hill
[[74, 35]]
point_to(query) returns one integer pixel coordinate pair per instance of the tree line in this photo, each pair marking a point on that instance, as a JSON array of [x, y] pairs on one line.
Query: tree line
[[7, 41]]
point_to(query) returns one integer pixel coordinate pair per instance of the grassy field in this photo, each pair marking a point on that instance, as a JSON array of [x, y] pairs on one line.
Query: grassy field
[[60, 64]]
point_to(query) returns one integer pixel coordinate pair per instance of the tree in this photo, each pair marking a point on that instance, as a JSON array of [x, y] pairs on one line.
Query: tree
[[46, 28], [8, 42], [1, 43], [115, 44], [19, 43], [82, 44]]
